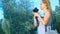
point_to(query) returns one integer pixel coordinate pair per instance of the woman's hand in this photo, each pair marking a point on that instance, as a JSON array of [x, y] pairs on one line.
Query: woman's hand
[[35, 22], [35, 14]]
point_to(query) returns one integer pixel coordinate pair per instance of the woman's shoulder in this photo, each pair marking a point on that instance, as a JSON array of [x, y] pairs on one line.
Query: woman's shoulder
[[47, 11]]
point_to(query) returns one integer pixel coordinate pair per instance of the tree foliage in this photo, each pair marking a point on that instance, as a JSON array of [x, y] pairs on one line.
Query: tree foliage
[[56, 18], [17, 20]]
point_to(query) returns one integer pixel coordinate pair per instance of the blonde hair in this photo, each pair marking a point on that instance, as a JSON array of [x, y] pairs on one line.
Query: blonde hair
[[47, 4]]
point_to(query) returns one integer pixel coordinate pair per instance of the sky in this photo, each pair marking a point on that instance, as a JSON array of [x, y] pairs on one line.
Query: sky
[[54, 3], [36, 3], [1, 11]]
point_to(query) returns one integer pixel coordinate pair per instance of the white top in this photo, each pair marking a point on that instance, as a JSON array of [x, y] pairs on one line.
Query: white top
[[41, 27]]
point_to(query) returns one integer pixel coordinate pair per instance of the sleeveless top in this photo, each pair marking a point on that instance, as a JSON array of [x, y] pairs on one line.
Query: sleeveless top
[[41, 28]]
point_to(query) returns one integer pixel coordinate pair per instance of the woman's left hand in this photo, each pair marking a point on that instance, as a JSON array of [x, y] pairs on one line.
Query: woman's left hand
[[36, 14]]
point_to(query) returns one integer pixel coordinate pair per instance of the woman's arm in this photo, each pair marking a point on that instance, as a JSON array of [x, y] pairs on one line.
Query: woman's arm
[[45, 19], [35, 22]]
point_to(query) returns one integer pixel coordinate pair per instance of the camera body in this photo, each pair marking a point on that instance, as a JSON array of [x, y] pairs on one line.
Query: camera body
[[35, 10]]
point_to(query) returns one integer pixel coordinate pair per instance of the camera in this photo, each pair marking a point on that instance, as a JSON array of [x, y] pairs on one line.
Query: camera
[[35, 10]]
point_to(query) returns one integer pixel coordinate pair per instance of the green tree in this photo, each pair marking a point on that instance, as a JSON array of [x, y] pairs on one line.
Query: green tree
[[6, 26], [56, 17], [17, 20]]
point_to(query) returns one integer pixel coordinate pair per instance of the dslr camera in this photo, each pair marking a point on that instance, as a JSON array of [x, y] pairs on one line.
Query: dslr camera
[[35, 10]]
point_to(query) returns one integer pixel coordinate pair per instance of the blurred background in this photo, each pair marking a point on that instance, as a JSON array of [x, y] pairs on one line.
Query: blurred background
[[16, 16]]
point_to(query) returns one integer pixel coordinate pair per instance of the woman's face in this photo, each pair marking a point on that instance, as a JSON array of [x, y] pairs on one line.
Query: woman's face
[[42, 5]]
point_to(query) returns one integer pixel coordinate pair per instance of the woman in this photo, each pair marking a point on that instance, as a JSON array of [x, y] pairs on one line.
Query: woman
[[45, 6]]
